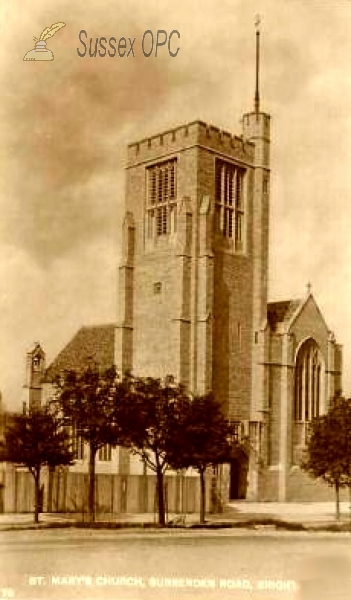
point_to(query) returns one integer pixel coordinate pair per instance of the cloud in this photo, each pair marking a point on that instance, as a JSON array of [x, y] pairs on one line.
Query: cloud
[[65, 124], [60, 123]]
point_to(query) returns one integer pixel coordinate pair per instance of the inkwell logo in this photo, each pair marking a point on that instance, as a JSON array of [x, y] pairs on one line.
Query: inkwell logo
[[41, 52]]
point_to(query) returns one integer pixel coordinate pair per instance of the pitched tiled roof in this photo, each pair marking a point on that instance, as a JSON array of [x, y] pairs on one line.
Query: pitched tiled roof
[[281, 312], [90, 345]]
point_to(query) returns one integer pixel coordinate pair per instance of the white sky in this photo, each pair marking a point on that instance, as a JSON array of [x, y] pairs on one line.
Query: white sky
[[65, 125]]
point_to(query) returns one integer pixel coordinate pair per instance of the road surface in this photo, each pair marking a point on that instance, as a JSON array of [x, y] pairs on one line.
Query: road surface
[[258, 565]]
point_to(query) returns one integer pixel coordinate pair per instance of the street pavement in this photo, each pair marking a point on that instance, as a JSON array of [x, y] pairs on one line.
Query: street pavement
[[307, 513], [134, 563], [311, 514], [67, 564]]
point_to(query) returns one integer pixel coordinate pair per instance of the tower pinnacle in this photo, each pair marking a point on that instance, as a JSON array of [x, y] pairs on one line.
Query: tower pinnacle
[[257, 90]]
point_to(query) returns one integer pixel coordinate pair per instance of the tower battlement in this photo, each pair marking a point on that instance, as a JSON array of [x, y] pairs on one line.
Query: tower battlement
[[196, 133]]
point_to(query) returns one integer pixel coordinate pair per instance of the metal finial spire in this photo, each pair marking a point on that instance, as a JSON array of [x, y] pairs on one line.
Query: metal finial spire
[[309, 288], [257, 89]]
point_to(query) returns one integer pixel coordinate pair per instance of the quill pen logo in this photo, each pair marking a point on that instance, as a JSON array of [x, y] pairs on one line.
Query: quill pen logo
[[41, 52]]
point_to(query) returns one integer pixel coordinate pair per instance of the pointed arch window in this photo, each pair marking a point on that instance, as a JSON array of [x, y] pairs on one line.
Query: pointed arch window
[[308, 394], [308, 388]]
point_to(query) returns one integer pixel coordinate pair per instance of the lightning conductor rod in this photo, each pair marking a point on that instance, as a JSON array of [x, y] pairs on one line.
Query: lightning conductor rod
[[257, 89]]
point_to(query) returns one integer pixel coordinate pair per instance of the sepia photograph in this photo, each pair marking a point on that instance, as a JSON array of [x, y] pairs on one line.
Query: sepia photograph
[[175, 389]]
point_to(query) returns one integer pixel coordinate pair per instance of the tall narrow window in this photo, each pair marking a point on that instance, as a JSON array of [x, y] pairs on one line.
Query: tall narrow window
[[229, 202], [239, 210], [308, 389], [105, 453], [308, 372], [162, 199], [77, 443]]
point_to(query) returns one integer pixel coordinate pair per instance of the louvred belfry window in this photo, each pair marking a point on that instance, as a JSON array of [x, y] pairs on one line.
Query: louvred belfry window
[[230, 202], [162, 199]]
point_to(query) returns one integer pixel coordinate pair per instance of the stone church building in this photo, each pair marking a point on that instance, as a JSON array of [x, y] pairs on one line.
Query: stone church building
[[193, 300]]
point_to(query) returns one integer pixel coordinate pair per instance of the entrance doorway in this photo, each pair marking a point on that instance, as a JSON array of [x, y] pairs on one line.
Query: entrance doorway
[[238, 479]]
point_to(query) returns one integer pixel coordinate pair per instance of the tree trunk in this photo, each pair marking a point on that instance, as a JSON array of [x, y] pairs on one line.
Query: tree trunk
[[160, 498], [202, 497], [36, 495], [91, 501], [337, 500]]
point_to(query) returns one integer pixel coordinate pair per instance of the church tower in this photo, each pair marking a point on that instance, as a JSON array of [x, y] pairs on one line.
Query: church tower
[[193, 274]]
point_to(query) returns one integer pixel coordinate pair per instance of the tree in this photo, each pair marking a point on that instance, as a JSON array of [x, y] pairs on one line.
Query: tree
[[207, 439], [151, 417], [329, 447], [87, 403], [35, 440]]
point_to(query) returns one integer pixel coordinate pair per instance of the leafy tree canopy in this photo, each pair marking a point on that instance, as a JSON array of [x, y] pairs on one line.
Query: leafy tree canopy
[[37, 439], [87, 401], [207, 438], [329, 447], [151, 417]]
